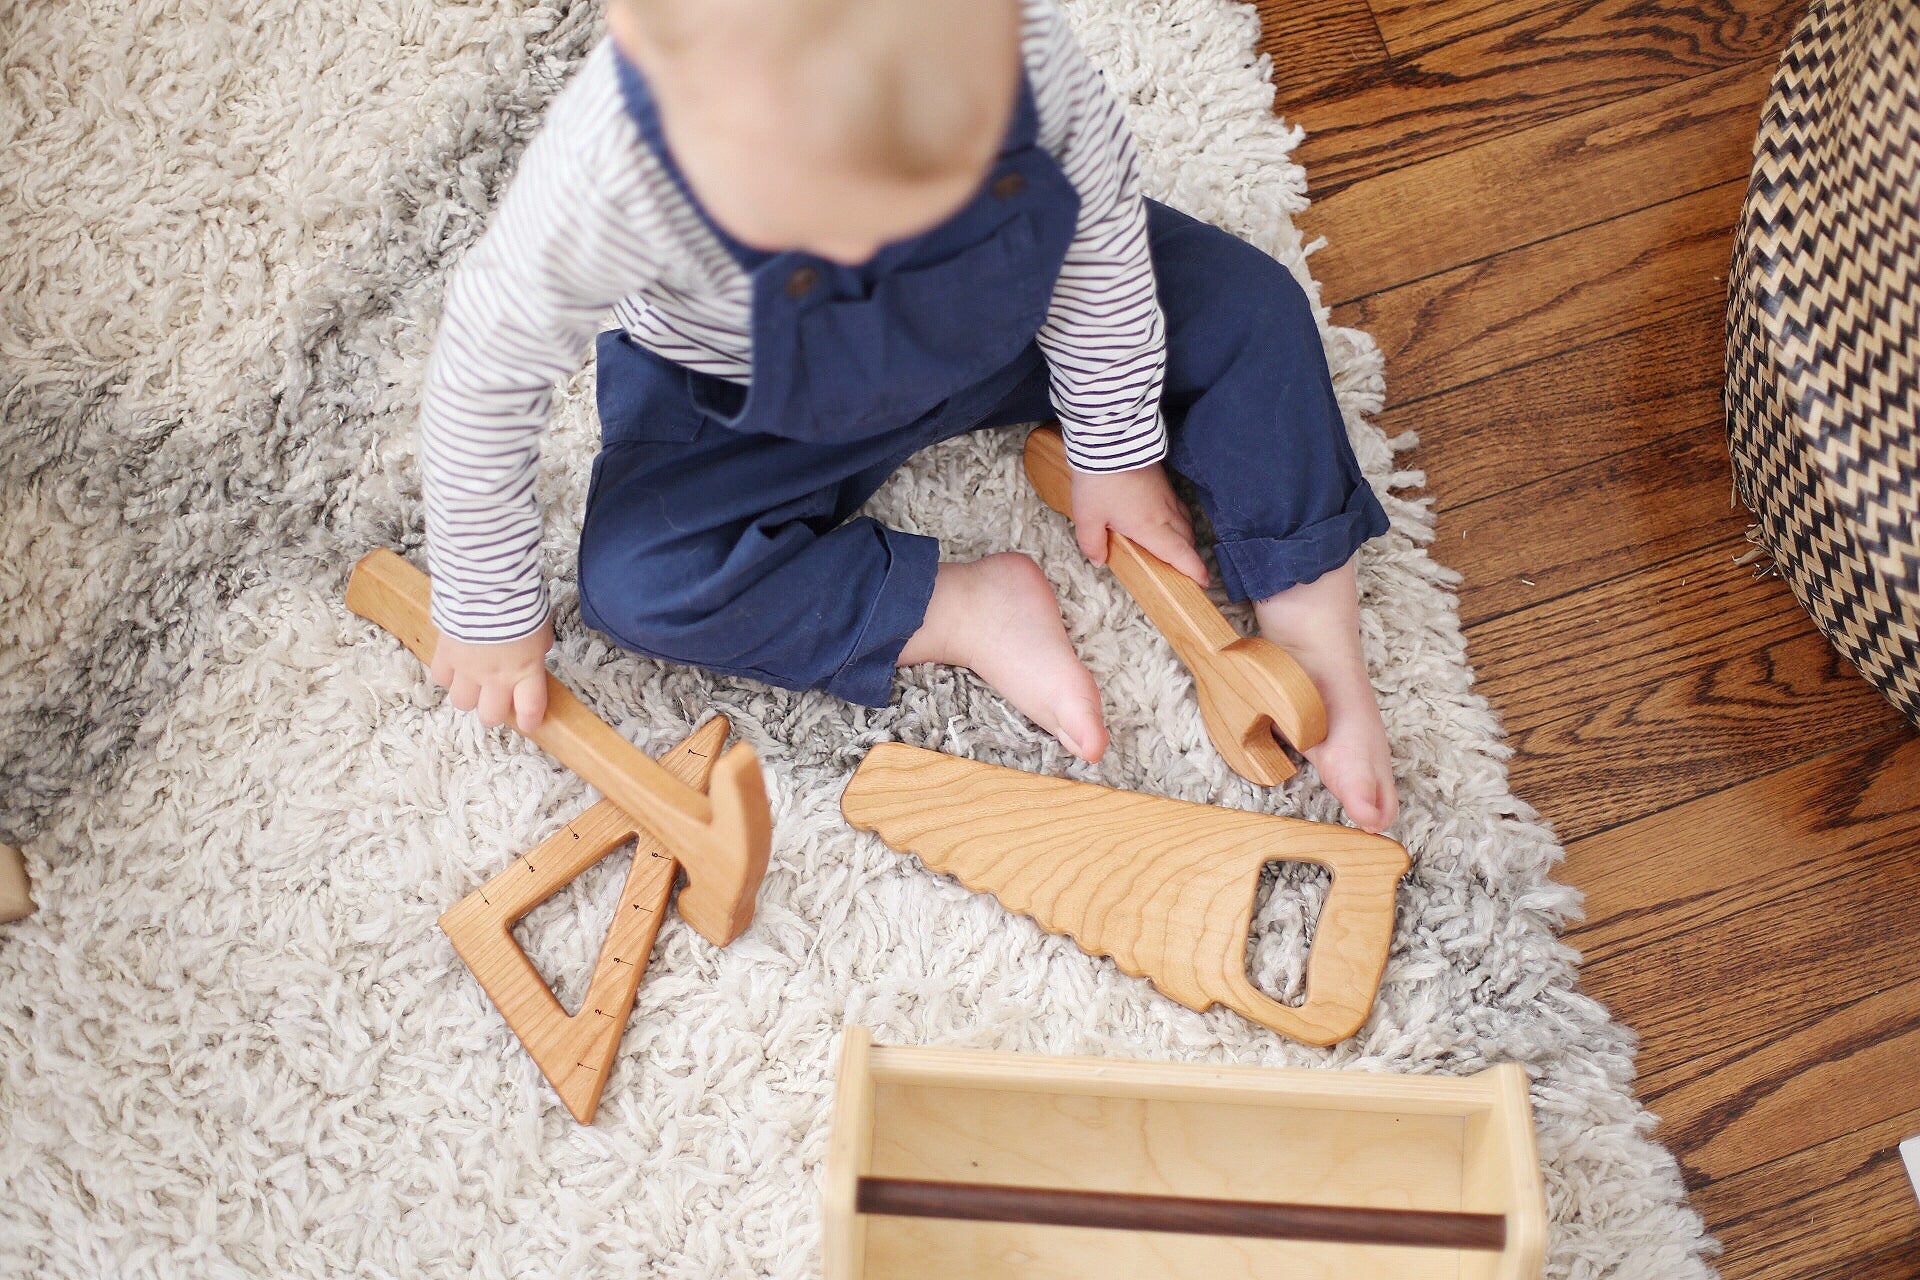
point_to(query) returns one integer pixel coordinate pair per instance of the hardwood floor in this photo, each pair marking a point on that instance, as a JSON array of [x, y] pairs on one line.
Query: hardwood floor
[[1530, 204]]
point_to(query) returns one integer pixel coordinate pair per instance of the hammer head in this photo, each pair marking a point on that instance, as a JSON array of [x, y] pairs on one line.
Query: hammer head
[[722, 886]]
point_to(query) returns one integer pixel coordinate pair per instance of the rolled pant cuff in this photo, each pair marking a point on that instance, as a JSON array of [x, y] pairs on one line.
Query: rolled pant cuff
[[1256, 568], [898, 611]]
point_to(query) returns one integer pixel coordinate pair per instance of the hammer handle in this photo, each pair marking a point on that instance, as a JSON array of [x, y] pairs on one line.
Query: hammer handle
[[724, 860]]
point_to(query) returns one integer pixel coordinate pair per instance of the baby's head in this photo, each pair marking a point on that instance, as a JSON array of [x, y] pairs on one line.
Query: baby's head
[[831, 127]]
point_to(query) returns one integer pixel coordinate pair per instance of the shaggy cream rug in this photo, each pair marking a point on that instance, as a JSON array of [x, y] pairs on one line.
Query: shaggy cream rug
[[233, 1043]]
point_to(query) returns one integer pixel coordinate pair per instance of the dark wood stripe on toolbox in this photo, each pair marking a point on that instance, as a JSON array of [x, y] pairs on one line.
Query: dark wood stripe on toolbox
[[1185, 1215]]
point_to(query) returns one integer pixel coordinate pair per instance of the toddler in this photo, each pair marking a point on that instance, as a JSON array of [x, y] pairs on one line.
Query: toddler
[[830, 233]]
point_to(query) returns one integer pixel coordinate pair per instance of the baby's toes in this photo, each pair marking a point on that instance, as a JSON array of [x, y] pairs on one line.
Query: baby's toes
[[1363, 788], [1082, 726]]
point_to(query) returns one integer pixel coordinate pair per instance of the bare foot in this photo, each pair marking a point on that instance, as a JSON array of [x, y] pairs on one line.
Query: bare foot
[[1318, 623], [999, 618]]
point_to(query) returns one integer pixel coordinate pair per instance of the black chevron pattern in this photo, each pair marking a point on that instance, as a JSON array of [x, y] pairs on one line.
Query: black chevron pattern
[[1823, 334]]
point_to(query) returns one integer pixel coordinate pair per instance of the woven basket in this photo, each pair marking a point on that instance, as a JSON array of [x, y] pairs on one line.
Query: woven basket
[[1823, 333]]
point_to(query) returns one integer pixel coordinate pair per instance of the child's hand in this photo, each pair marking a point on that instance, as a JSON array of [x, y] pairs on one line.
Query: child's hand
[[503, 680], [1139, 505]]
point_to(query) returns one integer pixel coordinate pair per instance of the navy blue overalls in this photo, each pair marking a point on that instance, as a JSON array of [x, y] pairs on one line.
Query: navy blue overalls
[[720, 528]]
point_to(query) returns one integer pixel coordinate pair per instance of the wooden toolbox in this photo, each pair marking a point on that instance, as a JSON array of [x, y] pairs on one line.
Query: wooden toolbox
[[964, 1165]]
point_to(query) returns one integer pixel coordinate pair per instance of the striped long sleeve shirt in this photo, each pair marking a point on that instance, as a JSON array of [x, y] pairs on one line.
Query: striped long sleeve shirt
[[594, 229]]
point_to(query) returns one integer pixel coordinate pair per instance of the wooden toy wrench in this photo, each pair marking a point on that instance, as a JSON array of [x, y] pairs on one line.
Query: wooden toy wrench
[[721, 838], [1252, 692]]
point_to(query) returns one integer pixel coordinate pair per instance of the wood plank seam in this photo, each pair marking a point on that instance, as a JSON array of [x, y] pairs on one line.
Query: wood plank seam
[[1776, 1223], [1890, 738], [1325, 206], [1731, 543], [1376, 294]]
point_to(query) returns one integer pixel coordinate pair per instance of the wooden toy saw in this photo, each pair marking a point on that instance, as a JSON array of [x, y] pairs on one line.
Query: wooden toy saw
[[1164, 887]]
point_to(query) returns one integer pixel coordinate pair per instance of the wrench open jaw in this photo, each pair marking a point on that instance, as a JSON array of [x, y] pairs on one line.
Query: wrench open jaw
[[1255, 700], [721, 838]]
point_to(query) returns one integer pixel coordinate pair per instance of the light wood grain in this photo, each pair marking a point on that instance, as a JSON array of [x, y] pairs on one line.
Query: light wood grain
[[849, 1156], [1363, 1092], [1252, 693], [16, 894], [1164, 887], [1350, 1140], [722, 838], [1500, 1171], [575, 1052]]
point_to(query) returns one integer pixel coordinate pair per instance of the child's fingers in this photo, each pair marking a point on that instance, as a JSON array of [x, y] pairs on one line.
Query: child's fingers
[[463, 692], [1190, 563], [496, 704], [1174, 546], [530, 701], [441, 668], [1092, 537]]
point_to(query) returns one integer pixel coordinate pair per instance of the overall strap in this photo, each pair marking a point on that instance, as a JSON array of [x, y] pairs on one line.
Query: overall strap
[[646, 116]]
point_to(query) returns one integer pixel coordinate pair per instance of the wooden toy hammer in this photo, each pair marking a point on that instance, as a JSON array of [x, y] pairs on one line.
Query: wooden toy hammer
[[1251, 690], [721, 838]]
